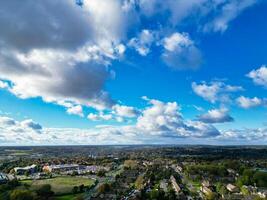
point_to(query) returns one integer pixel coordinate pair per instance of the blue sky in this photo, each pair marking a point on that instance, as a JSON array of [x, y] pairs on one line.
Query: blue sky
[[133, 72]]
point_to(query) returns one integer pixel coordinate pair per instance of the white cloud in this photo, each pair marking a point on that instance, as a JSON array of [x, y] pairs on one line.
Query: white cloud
[[29, 123], [124, 111], [248, 135], [259, 76], [5, 121], [216, 116], [180, 52], [3, 85], [246, 102], [9, 125], [99, 116], [225, 12], [215, 91], [117, 112], [75, 110], [159, 122], [55, 61], [207, 15], [62, 52], [177, 41], [143, 42], [165, 119]]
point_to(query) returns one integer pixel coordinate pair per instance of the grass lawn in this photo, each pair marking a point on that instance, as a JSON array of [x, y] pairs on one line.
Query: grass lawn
[[60, 185], [67, 197]]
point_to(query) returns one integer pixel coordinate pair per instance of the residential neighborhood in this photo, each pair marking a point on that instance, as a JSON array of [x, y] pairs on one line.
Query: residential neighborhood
[[133, 173]]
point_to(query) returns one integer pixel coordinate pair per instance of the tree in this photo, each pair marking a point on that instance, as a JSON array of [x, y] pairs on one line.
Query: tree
[[211, 196], [171, 194], [101, 173], [105, 187], [245, 190], [75, 190], [220, 188], [130, 164], [21, 195], [45, 191], [79, 198], [139, 182], [81, 188]]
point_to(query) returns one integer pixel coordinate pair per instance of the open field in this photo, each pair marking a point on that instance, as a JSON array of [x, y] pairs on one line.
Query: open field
[[67, 197], [60, 185]]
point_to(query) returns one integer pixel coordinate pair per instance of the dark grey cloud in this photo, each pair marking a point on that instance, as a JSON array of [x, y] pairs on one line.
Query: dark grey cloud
[[42, 24]]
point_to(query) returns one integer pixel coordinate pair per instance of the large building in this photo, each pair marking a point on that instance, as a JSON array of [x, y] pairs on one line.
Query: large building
[[28, 169]]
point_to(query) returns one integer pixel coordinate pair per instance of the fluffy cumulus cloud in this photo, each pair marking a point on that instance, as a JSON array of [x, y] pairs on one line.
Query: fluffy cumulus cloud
[[125, 111], [99, 116], [75, 110], [215, 91], [29, 123], [143, 42], [246, 102], [9, 127], [180, 52], [60, 53], [216, 116], [250, 135], [118, 113], [259, 76], [165, 119]]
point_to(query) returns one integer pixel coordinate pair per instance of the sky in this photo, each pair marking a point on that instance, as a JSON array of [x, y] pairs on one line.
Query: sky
[[133, 72]]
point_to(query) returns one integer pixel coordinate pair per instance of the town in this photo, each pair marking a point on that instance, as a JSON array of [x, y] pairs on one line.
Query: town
[[133, 172]]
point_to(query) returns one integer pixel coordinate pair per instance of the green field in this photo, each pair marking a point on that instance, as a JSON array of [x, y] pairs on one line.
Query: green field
[[67, 197], [60, 185]]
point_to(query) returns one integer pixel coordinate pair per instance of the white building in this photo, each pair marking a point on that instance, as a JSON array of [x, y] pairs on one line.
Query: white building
[[22, 170]]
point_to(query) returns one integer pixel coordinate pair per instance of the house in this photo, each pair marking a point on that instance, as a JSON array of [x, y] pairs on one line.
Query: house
[[232, 188], [3, 178], [231, 171], [262, 192], [22, 170], [177, 168], [206, 187], [175, 186], [205, 190], [205, 183]]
